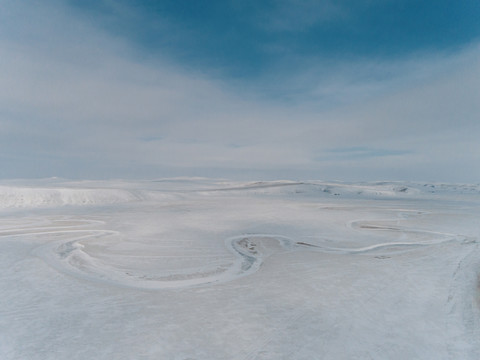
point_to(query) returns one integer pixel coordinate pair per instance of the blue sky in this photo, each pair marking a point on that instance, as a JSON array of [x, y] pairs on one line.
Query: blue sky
[[347, 90]]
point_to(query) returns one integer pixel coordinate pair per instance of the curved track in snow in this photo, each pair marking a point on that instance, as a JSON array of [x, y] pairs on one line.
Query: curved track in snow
[[71, 255]]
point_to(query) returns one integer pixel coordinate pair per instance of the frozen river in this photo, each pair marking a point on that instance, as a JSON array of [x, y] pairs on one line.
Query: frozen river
[[209, 269]]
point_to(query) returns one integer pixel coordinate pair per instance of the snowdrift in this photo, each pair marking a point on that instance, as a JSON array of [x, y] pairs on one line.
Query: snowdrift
[[27, 197]]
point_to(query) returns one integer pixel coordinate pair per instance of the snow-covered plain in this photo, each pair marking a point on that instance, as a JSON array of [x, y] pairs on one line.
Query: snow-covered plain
[[209, 269]]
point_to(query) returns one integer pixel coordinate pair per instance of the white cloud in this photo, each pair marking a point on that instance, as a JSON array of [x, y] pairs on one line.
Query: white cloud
[[74, 101]]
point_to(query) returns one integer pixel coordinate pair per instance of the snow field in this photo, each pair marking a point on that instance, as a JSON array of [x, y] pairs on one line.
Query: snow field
[[219, 270]]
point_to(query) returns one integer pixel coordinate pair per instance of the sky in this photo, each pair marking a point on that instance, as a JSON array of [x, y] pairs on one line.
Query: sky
[[352, 90]]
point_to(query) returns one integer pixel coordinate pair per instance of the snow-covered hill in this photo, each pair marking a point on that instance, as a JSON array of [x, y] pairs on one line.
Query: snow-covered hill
[[31, 197]]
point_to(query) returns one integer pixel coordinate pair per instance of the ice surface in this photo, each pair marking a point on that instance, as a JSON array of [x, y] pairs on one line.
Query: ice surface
[[215, 269]]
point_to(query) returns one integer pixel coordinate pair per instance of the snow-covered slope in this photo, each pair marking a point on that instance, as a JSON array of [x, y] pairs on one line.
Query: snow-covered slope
[[215, 269], [25, 197]]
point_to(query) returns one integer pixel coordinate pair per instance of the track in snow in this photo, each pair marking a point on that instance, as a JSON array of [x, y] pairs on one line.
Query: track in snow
[[71, 256]]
